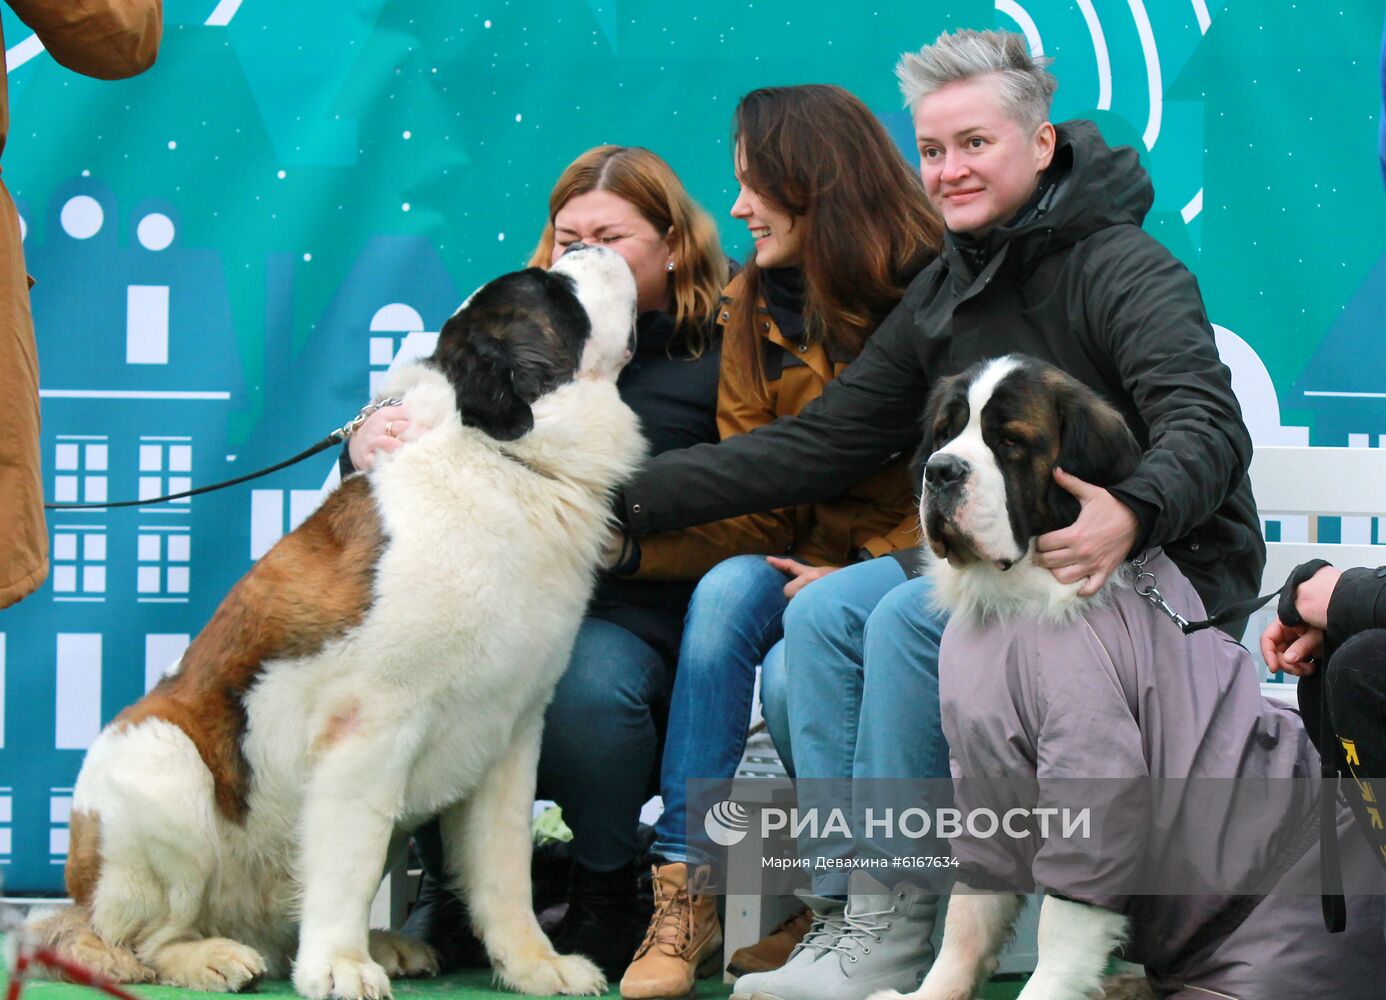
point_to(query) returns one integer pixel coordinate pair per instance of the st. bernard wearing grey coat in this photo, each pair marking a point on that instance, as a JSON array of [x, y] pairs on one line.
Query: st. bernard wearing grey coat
[[1104, 702]]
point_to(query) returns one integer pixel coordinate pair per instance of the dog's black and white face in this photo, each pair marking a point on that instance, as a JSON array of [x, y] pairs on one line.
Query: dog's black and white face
[[993, 436], [526, 333]]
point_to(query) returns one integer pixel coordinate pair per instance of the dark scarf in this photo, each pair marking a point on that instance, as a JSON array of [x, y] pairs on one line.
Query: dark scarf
[[655, 332], [783, 291]]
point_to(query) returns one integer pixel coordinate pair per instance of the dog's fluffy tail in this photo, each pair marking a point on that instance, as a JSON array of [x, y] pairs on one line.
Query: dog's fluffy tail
[[1127, 987], [68, 931]]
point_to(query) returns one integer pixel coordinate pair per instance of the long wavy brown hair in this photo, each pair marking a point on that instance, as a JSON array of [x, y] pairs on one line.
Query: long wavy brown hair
[[647, 182], [818, 153]]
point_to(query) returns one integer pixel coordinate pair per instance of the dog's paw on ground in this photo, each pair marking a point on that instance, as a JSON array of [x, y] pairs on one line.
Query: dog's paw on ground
[[571, 975], [215, 965], [1127, 987], [342, 977], [400, 955]]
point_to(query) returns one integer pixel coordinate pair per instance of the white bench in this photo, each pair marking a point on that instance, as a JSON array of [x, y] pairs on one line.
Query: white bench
[[1297, 485]]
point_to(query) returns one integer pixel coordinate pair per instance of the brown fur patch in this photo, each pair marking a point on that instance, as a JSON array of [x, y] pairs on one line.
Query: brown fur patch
[[83, 868], [315, 584]]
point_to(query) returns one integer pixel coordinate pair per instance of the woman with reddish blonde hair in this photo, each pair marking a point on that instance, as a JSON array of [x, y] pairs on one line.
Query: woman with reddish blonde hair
[[687, 284]]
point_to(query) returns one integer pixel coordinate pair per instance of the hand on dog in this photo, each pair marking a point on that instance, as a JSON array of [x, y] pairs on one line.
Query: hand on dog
[[802, 575], [1092, 546], [372, 437], [1291, 648]]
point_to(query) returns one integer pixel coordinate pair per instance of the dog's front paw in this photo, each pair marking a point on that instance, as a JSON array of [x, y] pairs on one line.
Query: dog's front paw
[[342, 976], [401, 955], [571, 975], [214, 965]]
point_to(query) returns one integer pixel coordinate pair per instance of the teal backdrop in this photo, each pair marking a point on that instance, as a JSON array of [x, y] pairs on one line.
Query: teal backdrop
[[230, 248]]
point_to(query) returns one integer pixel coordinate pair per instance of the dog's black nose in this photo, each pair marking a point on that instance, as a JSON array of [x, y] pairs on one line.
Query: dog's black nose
[[575, 245], [944, 471]]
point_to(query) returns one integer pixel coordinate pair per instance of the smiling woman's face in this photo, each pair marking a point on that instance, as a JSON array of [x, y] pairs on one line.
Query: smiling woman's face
[[979, 165], [777, 235], [600, 218]]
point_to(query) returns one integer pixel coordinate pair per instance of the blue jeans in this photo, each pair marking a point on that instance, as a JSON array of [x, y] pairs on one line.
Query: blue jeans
[[601, 743], [861, 663], [733, 621], [774, 704]]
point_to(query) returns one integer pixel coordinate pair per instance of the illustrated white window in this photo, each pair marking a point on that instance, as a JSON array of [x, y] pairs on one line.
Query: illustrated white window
[[163, 557], [161, 652], [146, 325], [165, 467], [389, 326], [77, 701], [59, 824], [267, 515], [81, 464], [78, 559], [6, 822]]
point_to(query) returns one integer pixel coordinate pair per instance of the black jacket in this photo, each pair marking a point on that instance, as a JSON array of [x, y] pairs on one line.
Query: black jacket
[[675, 397], [1075, 282], [1358, 604]]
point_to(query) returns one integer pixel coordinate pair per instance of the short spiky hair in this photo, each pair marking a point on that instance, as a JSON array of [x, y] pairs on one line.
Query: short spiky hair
[[1026, 86]]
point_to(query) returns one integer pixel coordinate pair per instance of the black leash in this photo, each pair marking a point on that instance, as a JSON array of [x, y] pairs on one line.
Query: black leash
[[1330, 867], [341, 434]]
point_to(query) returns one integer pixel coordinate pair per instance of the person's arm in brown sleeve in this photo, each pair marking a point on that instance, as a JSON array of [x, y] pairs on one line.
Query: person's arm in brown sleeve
[[904, 535], [107, 39], [688, 554]]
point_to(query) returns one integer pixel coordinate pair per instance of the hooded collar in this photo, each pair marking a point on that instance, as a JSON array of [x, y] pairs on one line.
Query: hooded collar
[[1088, 187]]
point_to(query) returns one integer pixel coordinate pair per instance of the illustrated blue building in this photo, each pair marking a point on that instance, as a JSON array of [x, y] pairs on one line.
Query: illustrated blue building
[[141, 375]]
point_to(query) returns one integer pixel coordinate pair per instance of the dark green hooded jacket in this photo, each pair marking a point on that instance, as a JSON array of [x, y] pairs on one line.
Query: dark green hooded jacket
[[1075, 282]]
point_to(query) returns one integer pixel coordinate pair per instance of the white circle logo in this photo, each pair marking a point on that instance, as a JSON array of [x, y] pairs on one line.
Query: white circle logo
[[727, 824]]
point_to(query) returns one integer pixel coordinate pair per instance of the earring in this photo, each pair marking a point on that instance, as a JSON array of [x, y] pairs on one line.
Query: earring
[[671, 266]]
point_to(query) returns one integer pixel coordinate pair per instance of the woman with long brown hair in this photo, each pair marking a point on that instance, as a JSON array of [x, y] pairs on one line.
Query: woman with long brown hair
[[840, 225]]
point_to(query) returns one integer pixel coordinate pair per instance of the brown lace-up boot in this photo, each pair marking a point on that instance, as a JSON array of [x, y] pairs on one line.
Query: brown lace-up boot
[[771, 951], [682, 943]]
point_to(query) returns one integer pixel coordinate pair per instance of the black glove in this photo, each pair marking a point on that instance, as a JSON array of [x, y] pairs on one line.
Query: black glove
[[1286, 610]]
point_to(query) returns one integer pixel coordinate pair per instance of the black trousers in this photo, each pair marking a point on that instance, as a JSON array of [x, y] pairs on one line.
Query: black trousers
[[1352, 689]]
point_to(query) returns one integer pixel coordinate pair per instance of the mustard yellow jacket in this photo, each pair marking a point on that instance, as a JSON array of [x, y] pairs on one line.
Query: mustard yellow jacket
[[101, 38]]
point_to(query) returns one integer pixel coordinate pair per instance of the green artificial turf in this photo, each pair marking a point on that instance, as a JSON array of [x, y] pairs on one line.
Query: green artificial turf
[[474, 985]]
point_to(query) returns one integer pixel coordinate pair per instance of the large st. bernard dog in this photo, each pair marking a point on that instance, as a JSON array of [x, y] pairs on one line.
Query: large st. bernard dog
[[1063, 697], [387, 661]]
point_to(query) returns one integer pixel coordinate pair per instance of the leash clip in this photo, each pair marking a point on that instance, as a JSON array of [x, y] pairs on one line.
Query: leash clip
[[348, 429], [1144, 584]]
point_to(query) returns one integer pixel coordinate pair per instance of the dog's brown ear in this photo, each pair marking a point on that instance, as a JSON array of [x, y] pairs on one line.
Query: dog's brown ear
[[499, 363], [928, 442], [1094, 443]]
